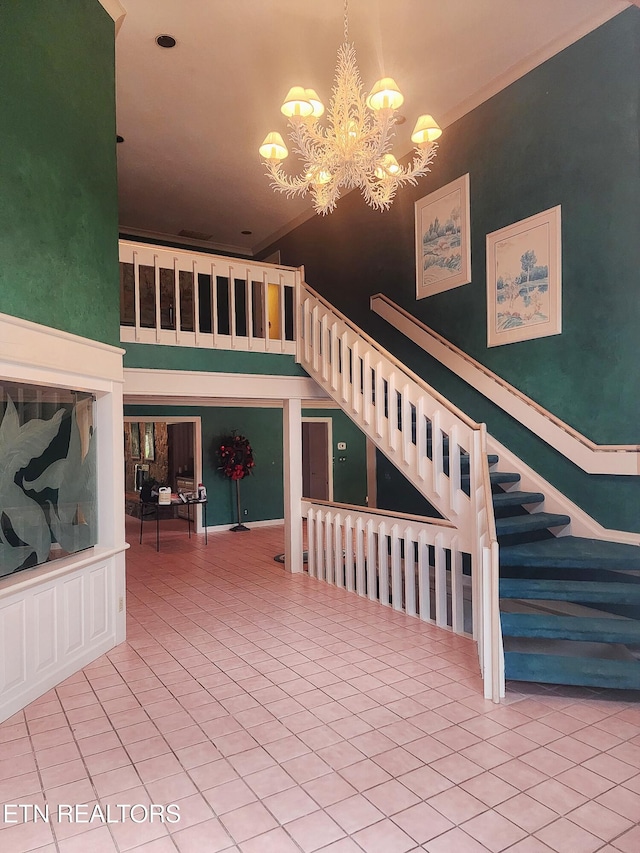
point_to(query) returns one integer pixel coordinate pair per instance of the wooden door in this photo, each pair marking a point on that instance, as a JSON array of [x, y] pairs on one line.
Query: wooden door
[[315, 460]]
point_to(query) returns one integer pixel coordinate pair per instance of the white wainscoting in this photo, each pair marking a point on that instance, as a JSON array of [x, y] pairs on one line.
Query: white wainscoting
[[58, 617], [54, 623]]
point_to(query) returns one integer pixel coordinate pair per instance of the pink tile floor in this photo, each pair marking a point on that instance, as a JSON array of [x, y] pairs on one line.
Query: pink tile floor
[[282, 715]]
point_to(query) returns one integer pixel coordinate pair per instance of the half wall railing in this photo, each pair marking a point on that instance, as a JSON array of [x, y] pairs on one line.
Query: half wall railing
[[182, 298], [406, 562], [440, 451]]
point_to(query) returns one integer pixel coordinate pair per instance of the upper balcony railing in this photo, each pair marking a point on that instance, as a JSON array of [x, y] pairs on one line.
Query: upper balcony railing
[[191, 299]]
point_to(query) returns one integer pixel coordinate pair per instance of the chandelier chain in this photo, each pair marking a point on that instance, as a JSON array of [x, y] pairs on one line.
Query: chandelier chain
[[346, 20]]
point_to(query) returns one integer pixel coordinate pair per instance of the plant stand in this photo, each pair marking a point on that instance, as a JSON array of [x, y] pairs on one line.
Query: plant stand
[[239, 527]]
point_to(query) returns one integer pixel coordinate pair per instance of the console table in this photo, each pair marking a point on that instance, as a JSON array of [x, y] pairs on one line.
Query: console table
[[151, 510]]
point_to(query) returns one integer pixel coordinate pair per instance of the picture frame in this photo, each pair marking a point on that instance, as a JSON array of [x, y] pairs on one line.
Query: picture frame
[[524, 279], [443, 239], [134, 440], [149, 442]]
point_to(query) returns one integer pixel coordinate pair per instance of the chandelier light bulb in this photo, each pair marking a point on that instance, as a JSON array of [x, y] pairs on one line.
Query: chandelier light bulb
[[388, 168], [273, 148], [426, 131], [385, 95], [318, 107], [296, 103]]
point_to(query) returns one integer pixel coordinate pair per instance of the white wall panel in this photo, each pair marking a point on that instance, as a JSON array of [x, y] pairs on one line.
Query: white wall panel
[[98, 600], [45, 628], [49, 631], [73, 614], [13, 670]]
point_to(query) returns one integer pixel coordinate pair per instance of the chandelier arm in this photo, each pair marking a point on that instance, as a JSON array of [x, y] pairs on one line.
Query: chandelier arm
[[379, 194], [419, 165], [284, 183], [309, 139]]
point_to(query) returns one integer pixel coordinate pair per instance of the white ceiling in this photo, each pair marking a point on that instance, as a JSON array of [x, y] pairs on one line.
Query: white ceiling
[[193, 117]]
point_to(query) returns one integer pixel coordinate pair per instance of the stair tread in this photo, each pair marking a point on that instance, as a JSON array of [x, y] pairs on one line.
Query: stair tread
[[530, 521], [560, 669], [583, 591], [516, 498], [492, 459], [497, 477], [572, 552], [591, 628]]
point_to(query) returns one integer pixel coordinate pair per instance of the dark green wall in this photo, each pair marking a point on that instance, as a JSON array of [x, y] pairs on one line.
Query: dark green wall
[[58, 197], [566, 133], [157, 357], [262, 492], [396, 493]]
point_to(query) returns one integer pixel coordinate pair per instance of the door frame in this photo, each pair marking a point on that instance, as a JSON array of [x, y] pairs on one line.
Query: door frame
[[329, 423], [197, 447]]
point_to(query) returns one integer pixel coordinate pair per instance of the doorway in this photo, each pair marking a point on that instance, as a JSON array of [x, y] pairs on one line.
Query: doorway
[[167, 451], [317, 459]]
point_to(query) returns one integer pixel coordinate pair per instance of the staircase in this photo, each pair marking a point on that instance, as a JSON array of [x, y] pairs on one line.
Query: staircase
[[566, 609], [438, 448], [569, 606]]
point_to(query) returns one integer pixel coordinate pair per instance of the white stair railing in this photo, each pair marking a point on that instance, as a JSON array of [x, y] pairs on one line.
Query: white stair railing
[[437, 447], [406, 562], [180, 298]]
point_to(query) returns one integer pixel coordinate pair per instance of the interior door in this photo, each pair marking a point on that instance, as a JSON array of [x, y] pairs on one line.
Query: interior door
[[315, 460]]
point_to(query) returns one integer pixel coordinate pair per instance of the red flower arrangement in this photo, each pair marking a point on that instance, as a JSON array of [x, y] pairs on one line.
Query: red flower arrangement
[[235, 457]]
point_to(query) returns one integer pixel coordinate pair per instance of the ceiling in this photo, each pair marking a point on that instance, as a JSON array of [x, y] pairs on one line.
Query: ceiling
[[193, 117]]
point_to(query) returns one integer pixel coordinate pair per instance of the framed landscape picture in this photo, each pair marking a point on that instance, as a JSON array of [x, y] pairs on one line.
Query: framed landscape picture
[[524, 280], [443, 241]]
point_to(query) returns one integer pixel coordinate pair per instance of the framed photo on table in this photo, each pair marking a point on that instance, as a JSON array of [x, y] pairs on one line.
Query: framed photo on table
[[524, 279], [443, 240]]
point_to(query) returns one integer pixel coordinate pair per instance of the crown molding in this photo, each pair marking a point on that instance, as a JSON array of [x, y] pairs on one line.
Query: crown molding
[[533, 60], [115, 10]]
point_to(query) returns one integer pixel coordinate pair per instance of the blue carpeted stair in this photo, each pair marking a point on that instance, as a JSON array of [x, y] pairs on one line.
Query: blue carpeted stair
[[570, 606]]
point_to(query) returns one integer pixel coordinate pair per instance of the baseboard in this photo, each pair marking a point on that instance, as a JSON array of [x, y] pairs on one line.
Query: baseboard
[[269, 522]]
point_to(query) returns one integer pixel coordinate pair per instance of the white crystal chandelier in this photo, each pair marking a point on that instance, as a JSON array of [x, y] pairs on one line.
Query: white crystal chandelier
[[353, 150]]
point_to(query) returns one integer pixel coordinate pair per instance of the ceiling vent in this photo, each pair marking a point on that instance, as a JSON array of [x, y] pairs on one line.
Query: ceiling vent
[[195, 235]]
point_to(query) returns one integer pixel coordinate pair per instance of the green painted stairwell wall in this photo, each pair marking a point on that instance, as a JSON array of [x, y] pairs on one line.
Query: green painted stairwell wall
[[58, 196], [567, 133]]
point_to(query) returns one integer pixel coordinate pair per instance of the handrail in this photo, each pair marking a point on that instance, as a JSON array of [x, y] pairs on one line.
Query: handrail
[[409, 564], [419, 380], [591, 457], [371, 510]]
